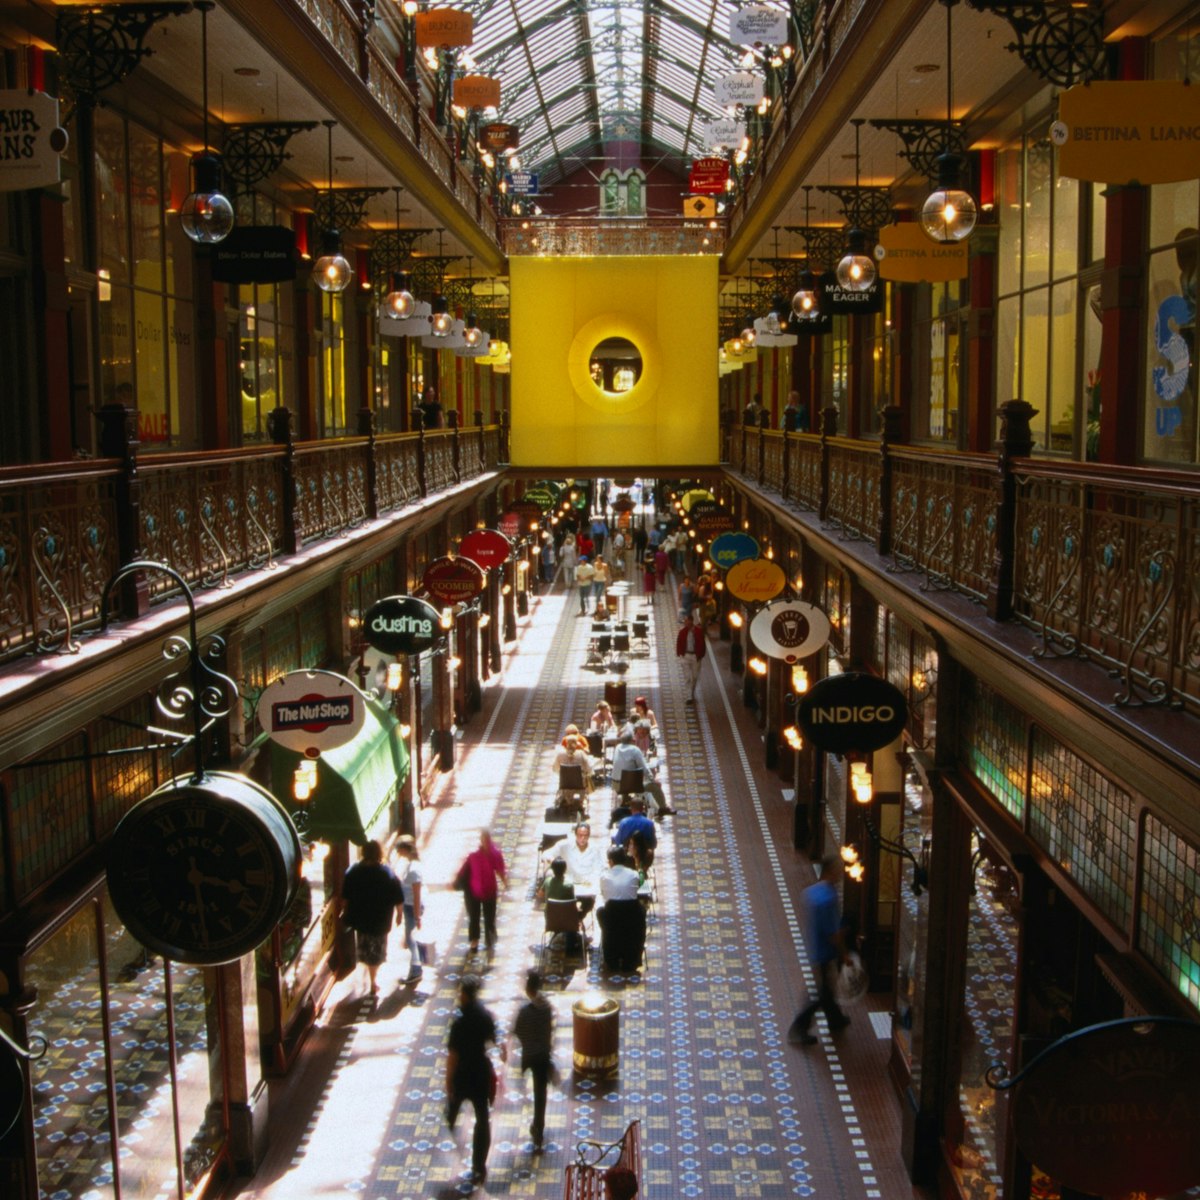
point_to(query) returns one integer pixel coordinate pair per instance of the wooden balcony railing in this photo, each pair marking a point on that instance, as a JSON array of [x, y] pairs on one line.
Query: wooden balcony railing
[[1101, 564], [65, 528]]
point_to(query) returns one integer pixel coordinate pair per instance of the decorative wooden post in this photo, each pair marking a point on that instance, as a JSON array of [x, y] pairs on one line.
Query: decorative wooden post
[[1016, 441], [366, 428], [829, 420], [279, 426], [118, 439], [892, 417]]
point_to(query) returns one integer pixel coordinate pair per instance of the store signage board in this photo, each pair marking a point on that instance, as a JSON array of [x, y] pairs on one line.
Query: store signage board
[[758, 25], [852, 713], [836, 299], [790, 630], [510, 524], [708, 176], [500, 135], [724, 134], [31, 140], [710, 518], [256, 254], [451, 580], [401, 625], [1114, 1109], [443, 27], [1129, 132], [741, 88], [697, 208], [907, 254], [543, 497], [477, 91], [729, 549], [522, 183], [311, 711], [755, 580], [488, 547]]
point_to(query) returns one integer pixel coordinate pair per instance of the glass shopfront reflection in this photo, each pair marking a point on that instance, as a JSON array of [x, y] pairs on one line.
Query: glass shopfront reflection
[[130, 1088]]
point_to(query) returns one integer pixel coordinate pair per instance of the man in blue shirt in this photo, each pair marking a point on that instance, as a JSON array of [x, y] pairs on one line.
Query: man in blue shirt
[[637, 833], [826, 951]]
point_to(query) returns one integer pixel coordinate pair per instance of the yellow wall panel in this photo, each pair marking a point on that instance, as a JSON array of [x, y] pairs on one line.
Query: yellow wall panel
[[561, 308]]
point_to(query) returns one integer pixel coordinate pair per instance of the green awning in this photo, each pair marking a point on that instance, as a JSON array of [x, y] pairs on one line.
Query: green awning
[[355, 783]]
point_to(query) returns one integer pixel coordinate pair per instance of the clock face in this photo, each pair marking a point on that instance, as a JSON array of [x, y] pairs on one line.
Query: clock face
[[202, 873]]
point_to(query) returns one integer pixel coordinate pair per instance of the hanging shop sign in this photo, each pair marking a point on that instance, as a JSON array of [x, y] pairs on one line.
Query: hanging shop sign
[[708, 176], [450, 580], [698, 208], [710, 518], [477, 91], [755, 580], [724, 134], [741, 88], [758, 25], [907, 254], [510, 524], [852, 713], [1129, 131], [256, 254], [835, 299], [415, 326], [522, 183], [500, 136], [1114, 1109], [729, 549], [401, 625], [790, 629], [487, 547], [443, 27], [693, 496], [528, 510], [311, 711], [543, 497], [31, 140]]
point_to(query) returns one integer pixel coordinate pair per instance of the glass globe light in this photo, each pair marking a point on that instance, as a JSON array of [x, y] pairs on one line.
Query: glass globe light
[[399, 302], [949, 214], [206, 214], [331, 272], [441, 321], [856, 271], [805, 303], [748, 335], [473, 335], [772, 323]]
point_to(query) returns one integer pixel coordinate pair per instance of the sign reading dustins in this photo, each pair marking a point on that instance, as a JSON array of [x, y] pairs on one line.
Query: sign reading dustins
[[852, 713], [790, 629], [401, 625], [311, 711]]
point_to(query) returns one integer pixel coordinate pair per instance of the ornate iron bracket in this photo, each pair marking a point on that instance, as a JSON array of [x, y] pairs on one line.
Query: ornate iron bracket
[[428, 273], [343, 209], [1056, 643], [20, 1051], [196, 686], [822, 245], [255, 150], [392, 248], [1062, 44], [98, 47], [924, 141], [920, 865], [864, 206], [1141, 688]]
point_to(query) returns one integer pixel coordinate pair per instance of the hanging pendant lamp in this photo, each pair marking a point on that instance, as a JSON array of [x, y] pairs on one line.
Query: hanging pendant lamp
[[399, 303], [332, 272], [805, 303], [856, 271], [206, 213]]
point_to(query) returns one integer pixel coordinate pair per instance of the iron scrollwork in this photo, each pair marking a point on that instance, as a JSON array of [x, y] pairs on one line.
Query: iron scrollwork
[[1062, 44]]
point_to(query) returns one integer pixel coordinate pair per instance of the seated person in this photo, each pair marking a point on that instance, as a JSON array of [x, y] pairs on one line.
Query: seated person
[[585, 861], [622, 917], [627, 757], [642, 736], [603, 720], [636, 834], [643, 712], [574, 753], [556, 887], [601, 613]]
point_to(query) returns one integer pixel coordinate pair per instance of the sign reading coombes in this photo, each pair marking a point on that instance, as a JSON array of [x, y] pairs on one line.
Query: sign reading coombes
[[311, 711], [401, 625], [852, 713], [449, 580]]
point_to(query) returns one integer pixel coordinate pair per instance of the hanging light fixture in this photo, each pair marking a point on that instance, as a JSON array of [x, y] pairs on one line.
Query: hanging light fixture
[[856, 271], [399, 302], [441, 320], [472, 334], [206, 214], [331, 272], [949, 214], [749, 335], [805, 303]]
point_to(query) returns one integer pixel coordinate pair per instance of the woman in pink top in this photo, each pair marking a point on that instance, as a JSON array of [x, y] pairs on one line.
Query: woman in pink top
[[486, 874]]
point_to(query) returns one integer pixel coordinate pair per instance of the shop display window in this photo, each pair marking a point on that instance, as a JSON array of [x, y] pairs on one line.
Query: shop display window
[[1169, 916], [912, 935], [332, 342], [992, 743], [939, 362]]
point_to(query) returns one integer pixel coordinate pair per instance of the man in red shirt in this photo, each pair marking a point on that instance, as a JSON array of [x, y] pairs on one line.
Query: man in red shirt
[[690, 648]]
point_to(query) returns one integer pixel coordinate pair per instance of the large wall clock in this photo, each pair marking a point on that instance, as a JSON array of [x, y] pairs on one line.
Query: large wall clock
[[201, 872]]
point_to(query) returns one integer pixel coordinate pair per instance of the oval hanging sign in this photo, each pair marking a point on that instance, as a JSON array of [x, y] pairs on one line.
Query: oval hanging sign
[[510, 524], [756, 580], [401, 625], [311, 711], [449, 580], [852, 713], [731, 548], [790, 629], [710, 518], [487, 547], [543, 497]]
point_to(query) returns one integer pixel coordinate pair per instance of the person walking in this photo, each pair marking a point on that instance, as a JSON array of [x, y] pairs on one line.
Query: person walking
[[410, 882], [649, 573], [485, 874], [534, 1030], [470, 1075], [371, 894], [826, 951], [662, 564], [690, 648], [601, 577], [584, 573]]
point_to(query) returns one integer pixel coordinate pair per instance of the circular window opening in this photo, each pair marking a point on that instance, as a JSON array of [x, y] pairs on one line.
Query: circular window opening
[[615, 365]]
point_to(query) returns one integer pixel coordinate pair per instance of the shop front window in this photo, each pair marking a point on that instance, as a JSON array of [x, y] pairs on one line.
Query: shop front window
[[912, 934], [939, 362], [333, 364]]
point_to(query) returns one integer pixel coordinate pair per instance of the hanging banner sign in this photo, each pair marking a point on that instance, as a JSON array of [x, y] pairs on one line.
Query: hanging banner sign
[[401, 625], [487, 547], [741, 88], [731, 548], [311, 711], [522, 183], [449, 580], [543, 497], [699, 208], [724, 134], [758, 25], [499, 136], [510, 524], [477, 91], [756, 580], [1113, 1108], [836, 299], [708, 176], [256, 254], [852, 713], [31, 140], [790, 629], [443, 27], [1129, 131], [709, 519], [908, 255]]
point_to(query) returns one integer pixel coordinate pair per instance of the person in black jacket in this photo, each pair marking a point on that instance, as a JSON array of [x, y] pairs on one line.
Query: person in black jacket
[[371, 895], [469, 1072]]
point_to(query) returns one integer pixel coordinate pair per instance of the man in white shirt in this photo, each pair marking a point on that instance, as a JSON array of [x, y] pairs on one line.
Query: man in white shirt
[[620, 881], [584, 572], [627, 757], [586, 860], [622, 918]]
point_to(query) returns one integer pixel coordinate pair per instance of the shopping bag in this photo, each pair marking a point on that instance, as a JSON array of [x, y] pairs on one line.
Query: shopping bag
[[852, 982], [427, 953], [463, 877]]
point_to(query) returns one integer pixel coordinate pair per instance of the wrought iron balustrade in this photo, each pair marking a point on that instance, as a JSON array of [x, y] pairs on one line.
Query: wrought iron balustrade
[[852, 498]]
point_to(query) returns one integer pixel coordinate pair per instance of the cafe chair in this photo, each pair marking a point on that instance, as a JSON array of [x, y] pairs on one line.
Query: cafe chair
[[621, 644], [596, 750], [563, 916], [631, 783], [572, 789], [641, 637]]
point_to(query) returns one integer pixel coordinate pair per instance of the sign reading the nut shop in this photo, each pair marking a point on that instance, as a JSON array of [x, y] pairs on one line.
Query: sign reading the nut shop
[[756, 580], [311, 711], [1129, 131], [443, 27], [790, 629], [449, 580], [852, 713]]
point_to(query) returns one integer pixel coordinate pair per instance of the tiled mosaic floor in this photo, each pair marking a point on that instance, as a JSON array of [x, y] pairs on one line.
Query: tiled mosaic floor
[[728, 1108]]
